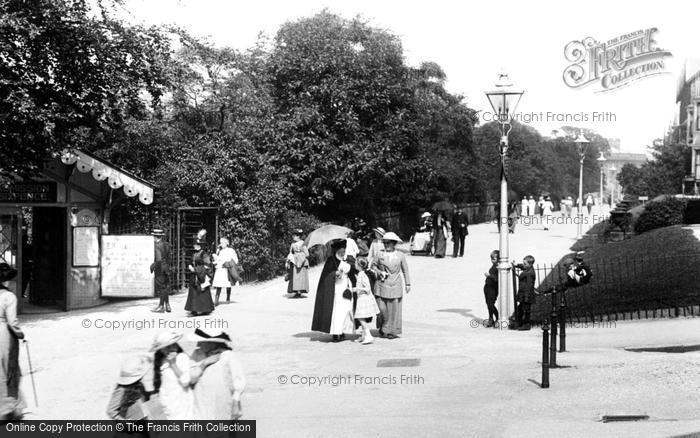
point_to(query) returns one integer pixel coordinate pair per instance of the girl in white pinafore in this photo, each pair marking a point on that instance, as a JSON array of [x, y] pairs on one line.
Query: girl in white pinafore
[[342, 317]]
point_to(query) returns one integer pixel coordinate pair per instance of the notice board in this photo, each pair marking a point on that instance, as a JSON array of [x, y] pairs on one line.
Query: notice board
[[86, 251], [126, 265]]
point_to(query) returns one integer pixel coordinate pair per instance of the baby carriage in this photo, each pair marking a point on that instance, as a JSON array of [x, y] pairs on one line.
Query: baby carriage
[[422, 240]]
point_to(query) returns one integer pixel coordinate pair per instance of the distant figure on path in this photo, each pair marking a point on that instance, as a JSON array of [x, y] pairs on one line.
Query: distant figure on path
[[523, 207], [441, 231], [298, 266], [547, 208], [512, 217], [589, 204], [531, 206], [491, 289], [160, 268], [460, 230], [199, 295], [225, 259]]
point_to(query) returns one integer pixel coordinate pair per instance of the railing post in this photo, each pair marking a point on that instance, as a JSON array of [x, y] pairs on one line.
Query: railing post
[[562, 323], [553, 333], [545, 354]]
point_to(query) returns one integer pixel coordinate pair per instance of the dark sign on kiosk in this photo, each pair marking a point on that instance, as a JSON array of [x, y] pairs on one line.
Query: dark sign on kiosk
[[54, 229]]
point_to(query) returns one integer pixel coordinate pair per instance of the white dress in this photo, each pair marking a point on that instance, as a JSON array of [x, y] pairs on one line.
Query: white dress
[[342, 318], [221, 273], [175, 394]]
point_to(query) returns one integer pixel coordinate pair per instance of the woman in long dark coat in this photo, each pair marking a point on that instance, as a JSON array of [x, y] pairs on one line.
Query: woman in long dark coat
[[327, 318], [199, 296]]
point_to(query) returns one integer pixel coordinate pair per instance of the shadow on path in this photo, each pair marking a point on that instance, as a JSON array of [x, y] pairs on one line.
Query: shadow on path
[[464, 312]]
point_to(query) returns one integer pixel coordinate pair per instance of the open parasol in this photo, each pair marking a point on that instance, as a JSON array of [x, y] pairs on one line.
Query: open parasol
[[325, 234], [443, 206]]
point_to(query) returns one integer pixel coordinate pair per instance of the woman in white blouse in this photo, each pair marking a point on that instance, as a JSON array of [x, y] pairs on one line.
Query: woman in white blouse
[[225, 255]]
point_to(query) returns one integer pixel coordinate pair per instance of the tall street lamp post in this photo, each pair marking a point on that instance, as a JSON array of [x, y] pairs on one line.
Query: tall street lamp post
[[611, 182], [582, 144], [504, 99], [601, 164]]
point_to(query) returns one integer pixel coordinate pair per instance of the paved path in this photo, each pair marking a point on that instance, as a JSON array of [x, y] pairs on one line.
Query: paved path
[[470, 381]]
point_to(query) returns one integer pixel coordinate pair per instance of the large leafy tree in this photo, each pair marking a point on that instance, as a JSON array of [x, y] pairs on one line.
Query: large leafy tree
[[345, 97], [663, 174], [70, 71]]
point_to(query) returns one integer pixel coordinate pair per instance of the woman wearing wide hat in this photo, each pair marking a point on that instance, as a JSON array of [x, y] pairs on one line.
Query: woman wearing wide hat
[[333, 307], [10, 334], [391, 270], [134, 388], [298, 266], [218, 390], [171, 376], [199, 295]]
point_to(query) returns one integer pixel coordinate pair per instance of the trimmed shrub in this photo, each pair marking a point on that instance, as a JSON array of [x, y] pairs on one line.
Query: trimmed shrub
[[662, 213]]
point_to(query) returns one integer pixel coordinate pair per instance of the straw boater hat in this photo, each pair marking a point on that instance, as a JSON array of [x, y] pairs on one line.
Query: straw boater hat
[[158, 232], [391, 236], [165, 339], [133, 369], [426, 214], [6, 272]]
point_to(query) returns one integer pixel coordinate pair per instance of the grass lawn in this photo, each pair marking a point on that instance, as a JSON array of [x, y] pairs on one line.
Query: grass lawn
[[654, 270]]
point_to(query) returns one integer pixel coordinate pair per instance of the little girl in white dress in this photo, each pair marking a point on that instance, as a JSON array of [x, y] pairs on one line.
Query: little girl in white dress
[[366, 308]]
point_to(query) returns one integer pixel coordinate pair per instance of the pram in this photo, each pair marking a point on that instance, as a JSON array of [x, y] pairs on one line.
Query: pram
[[422, 242]]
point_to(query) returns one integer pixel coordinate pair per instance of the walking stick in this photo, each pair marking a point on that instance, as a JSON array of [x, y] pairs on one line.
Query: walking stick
[[31, 373]]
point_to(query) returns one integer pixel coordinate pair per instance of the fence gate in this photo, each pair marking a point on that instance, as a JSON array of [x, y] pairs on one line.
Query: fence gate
[[189, 221]]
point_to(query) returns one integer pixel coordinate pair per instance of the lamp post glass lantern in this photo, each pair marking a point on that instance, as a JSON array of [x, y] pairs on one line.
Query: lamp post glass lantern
[[504, 99], [582, 143], [601, 164]]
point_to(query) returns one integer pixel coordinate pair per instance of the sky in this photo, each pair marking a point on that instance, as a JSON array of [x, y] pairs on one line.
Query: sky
[[473, 42]]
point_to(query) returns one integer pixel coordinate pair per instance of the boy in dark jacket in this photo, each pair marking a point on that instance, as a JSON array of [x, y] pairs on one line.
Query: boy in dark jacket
[[526, 292]]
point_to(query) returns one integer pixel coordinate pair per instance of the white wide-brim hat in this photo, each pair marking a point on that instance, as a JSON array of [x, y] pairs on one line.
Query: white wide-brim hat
[[426, 214], [391, 236]]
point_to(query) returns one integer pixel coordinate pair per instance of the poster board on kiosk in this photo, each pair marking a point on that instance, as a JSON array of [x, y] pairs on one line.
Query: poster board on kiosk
[[126, 266]]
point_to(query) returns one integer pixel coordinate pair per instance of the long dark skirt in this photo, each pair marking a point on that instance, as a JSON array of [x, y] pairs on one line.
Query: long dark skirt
[[199, 300], [440, 243]]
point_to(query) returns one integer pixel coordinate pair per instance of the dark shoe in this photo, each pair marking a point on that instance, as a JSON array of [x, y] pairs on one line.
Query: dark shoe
[[524, 327], [342, 337], [167, 308], [391, 336], [336, 338], [488, 323]]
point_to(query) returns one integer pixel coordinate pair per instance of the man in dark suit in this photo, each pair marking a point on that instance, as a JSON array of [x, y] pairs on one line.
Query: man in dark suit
[[459, 231], [161, 269]]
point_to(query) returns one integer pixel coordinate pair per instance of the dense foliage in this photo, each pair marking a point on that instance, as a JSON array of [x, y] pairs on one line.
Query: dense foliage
[[661, 175], [660, 213], [68, 73], [325, 121]]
